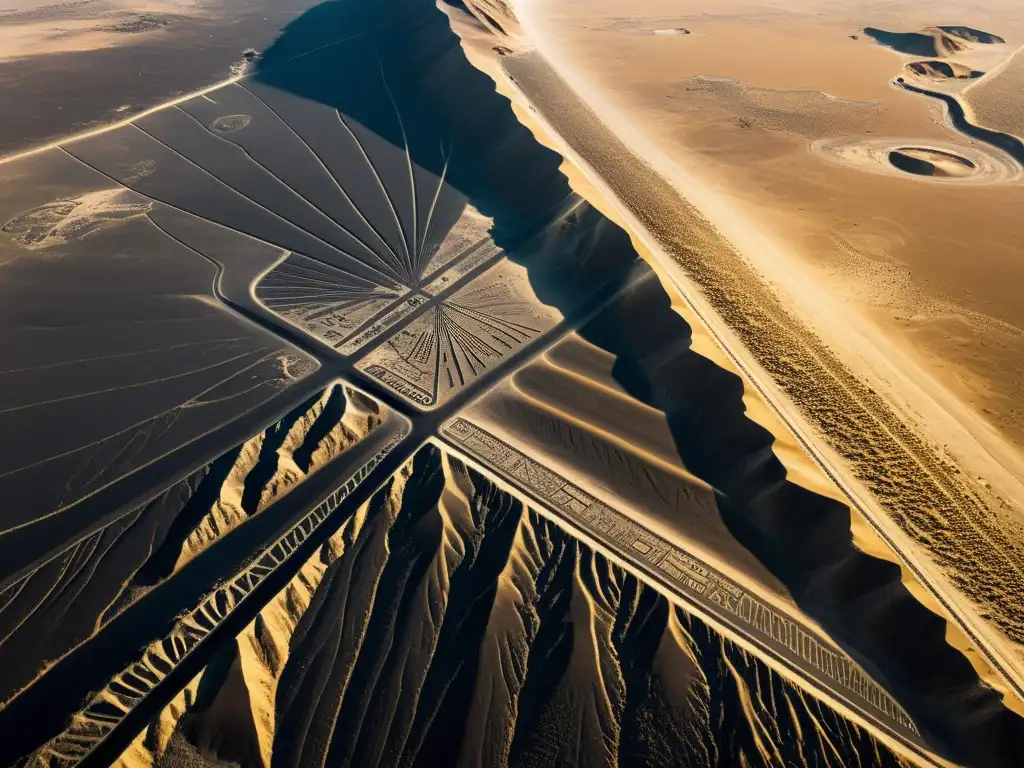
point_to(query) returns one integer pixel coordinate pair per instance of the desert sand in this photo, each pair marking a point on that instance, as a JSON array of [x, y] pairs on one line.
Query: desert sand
[[502, 497], [70, 66], [477, 627], [872, 262]]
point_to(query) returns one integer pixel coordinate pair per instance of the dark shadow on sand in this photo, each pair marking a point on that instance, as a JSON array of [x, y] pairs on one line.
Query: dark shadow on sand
[[342, 54], [803, 538]]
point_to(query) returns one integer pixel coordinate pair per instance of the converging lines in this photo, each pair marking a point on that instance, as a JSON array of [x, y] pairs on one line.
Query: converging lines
[[270, 141], [407, 262], [408, 154], [263, 197]]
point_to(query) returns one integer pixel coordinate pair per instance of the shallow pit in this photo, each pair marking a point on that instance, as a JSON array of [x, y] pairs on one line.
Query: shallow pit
[[922, 161]]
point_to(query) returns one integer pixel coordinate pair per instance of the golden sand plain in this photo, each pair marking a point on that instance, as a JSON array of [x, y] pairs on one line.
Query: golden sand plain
[[895, 464], [906, 281], [994, 101], [741, 99], [40, 27]]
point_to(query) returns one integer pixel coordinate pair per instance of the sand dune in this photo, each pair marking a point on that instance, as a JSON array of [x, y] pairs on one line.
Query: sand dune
[[90, 728], [972, 35], [271, 464], [453, 625], [600, 409], [939, 70], [931, 162], [929, 42], [77, 596], [932, 41]]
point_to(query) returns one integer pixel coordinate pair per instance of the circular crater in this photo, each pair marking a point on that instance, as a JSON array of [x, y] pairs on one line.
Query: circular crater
[[230, 123], [922, 161], [927, 162]]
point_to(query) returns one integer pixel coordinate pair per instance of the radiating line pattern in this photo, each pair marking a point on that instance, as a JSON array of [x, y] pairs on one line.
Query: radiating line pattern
[[308, 179], [384, 257], [456, 340]]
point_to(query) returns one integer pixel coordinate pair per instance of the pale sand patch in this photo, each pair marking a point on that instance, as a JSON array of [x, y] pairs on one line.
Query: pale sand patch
[[994, 101], [41, 27]]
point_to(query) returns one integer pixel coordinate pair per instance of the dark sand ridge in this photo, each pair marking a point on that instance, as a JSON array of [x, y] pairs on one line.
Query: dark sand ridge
[[490, 201], [550, 281], [933, 41], [504, 633], [943, 69]]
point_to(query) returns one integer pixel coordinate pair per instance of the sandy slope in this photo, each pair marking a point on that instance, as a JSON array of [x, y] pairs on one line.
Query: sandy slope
[[448, 624], [881, 441], [993, 101], [74, 596]]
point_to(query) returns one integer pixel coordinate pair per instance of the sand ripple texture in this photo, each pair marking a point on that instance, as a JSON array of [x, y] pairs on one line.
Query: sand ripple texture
[[874, 156]]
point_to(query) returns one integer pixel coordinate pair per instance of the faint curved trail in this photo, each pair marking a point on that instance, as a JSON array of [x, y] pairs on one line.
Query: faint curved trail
[[1004, 142], [201, 93], [122, 355], [133, 385], [192, 402], [217, 223]]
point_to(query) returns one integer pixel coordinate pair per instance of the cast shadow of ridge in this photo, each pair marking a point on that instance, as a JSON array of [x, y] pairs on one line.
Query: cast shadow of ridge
[[802, 537], [395, 73], [398, 57]]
